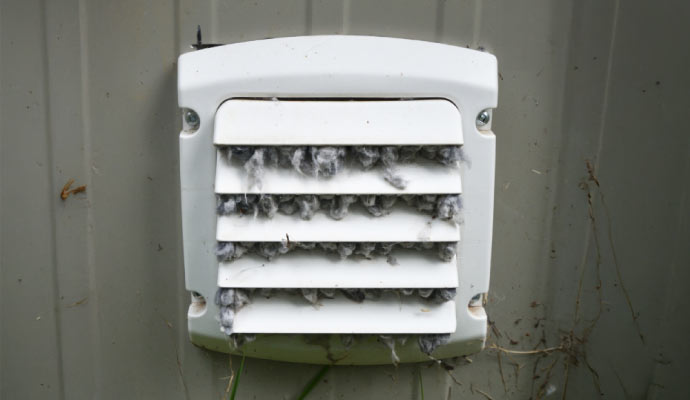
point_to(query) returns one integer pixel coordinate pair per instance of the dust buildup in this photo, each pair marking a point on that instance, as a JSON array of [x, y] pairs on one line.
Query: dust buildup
[[247, 204], [356, 295], [225, 204], [449, 207], [268, 206], [389, 158], [312, 295], [408, 154], [365, 249], [238, 298], [229, 251], [449, 155], [378, 205], [446, 251], [341, 206], [225, 251], [241, 153], [307, 205], [346, 249], [442, 295], [255, 168], [230, 301], [240, 339], [328, 161], [428, 152], [367, 156], [227, 317], [269, 250], [347, 340], [390, 341], [445, 207], [286, 204], [429, 343]]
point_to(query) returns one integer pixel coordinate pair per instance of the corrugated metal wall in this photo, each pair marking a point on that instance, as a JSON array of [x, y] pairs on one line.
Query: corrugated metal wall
[[594, 264]]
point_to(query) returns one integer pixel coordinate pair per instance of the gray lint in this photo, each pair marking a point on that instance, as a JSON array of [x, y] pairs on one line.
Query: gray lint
[[230, 301], [312, 295], [341, 205], [268, 206], [327, 161], [255, 168], [228, 251], [445, 207], [429, 343], [446, 251], [389, 158], [346, 249], [389, 341], [367, 156], [307, 204], [347, 340], [238, 298]]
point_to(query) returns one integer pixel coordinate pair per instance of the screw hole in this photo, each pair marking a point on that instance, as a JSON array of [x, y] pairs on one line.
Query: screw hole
[[483, 118], [190, 120]]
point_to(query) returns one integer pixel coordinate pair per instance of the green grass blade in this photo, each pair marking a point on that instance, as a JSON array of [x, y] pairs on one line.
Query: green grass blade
[[421, 385], [237, 380], [313, 382]]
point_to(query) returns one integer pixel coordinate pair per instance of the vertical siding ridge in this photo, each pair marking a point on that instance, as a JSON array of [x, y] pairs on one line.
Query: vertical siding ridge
[[94, 322], [52, 194], [477, 23]]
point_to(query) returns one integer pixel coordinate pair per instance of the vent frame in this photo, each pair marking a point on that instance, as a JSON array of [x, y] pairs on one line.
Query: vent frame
[[336, 67]]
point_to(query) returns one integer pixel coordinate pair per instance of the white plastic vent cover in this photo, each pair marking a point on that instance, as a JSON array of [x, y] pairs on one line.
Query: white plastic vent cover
[[345, 92]]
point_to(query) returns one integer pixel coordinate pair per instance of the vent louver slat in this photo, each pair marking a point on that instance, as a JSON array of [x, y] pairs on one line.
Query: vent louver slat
[[410, 269], [316, 123], [403, 226], [288, 314]]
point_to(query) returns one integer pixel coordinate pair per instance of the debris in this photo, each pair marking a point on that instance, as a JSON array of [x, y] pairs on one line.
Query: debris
[[429, 343], [347, 340], [255, 169], [389, 341], [66, 191], [79, 302], [327, 161], [228, 251], [311, 295], [445, 207]]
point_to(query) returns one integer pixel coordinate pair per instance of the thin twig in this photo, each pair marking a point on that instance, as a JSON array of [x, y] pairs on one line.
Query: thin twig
[[547, 350], [457, 382], [565, 380], [500, 369], [484, 393]]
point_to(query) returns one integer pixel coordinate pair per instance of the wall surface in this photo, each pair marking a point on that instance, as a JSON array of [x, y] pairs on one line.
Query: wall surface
[[590, 259]]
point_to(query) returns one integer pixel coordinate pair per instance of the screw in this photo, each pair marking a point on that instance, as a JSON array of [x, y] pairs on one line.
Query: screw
[[192, 119], [483, 118]]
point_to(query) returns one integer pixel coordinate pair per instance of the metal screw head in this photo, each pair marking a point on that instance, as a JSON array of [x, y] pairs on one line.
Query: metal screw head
[[192, 119], [483, 118]]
